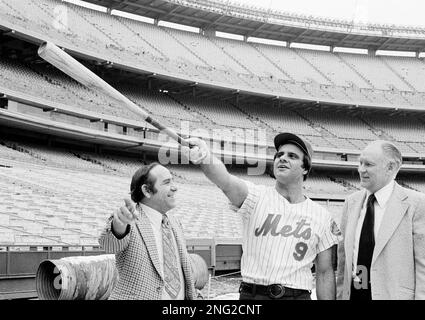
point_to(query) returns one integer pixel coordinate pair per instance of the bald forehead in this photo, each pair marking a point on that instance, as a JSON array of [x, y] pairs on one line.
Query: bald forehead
[[160, 173], [383, 149], [373, 152], [374, 147]]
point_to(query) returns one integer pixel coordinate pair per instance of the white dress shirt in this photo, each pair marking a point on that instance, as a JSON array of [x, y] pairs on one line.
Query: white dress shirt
[[382, 196], [155, 219]]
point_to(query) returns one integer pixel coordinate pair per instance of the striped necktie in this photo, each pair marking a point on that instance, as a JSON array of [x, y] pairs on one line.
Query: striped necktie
[[171, 272]]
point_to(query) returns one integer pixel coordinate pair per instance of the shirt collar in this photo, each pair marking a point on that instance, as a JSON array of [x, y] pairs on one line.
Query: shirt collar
[[154, 216], [383, 195]]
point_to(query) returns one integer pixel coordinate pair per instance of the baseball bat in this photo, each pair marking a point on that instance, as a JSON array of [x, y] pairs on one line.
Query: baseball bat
[[67, 64]]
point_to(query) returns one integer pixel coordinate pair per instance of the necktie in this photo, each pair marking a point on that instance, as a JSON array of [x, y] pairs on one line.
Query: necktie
[[365, 252], [171, 272]]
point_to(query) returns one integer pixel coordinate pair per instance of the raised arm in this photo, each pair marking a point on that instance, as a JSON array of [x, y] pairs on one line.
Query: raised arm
[[234, 188]]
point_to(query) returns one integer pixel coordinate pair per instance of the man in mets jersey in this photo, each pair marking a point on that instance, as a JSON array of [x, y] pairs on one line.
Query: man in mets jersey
[[284, 232]]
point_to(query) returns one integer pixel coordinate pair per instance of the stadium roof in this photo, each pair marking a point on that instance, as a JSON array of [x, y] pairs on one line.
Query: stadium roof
[[275, 25]]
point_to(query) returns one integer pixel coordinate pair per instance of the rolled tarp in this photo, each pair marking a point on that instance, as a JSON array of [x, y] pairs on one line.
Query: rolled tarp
[[77, 278], [92, 277]]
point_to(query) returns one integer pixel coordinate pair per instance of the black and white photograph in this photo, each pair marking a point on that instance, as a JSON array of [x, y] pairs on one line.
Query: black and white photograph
[[212, 150]]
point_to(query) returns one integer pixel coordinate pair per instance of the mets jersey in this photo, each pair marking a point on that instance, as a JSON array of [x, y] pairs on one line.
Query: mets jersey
[[281, 240]]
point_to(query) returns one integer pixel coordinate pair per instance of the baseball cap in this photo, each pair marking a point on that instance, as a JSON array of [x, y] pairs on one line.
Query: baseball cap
[[286, 137]]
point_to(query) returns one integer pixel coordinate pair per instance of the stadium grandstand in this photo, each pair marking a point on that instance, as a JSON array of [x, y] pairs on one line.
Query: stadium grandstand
[[67, 153]]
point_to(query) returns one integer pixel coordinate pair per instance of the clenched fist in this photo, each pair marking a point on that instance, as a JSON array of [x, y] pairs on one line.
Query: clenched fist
[[200, 152], [124, 216]]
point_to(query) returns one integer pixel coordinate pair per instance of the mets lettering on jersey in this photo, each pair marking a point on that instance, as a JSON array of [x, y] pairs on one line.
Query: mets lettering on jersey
[[286, 231], [281, 240]]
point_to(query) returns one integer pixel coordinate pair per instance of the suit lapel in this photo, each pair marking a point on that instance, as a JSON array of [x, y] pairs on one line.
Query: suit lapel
[[355, 207], [146, 232], [396, 208]]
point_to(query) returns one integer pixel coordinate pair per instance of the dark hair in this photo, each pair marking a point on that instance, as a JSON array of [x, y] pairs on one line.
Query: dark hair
[[306, 165], [141, 177]]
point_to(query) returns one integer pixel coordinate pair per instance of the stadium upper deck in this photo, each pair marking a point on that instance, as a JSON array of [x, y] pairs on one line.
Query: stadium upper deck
[[327, 77], [251, 21], [395, 83], [326, 129]]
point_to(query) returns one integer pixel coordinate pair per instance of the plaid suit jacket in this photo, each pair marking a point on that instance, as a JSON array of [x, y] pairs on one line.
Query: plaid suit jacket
[[137, 261]]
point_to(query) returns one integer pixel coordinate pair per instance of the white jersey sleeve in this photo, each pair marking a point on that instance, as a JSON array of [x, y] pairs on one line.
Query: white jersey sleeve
[[254, 194], [330, 235]]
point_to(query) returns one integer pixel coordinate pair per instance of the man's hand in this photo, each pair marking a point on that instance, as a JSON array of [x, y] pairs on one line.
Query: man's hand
[[200, 153], [234, 188], [124, 216]]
